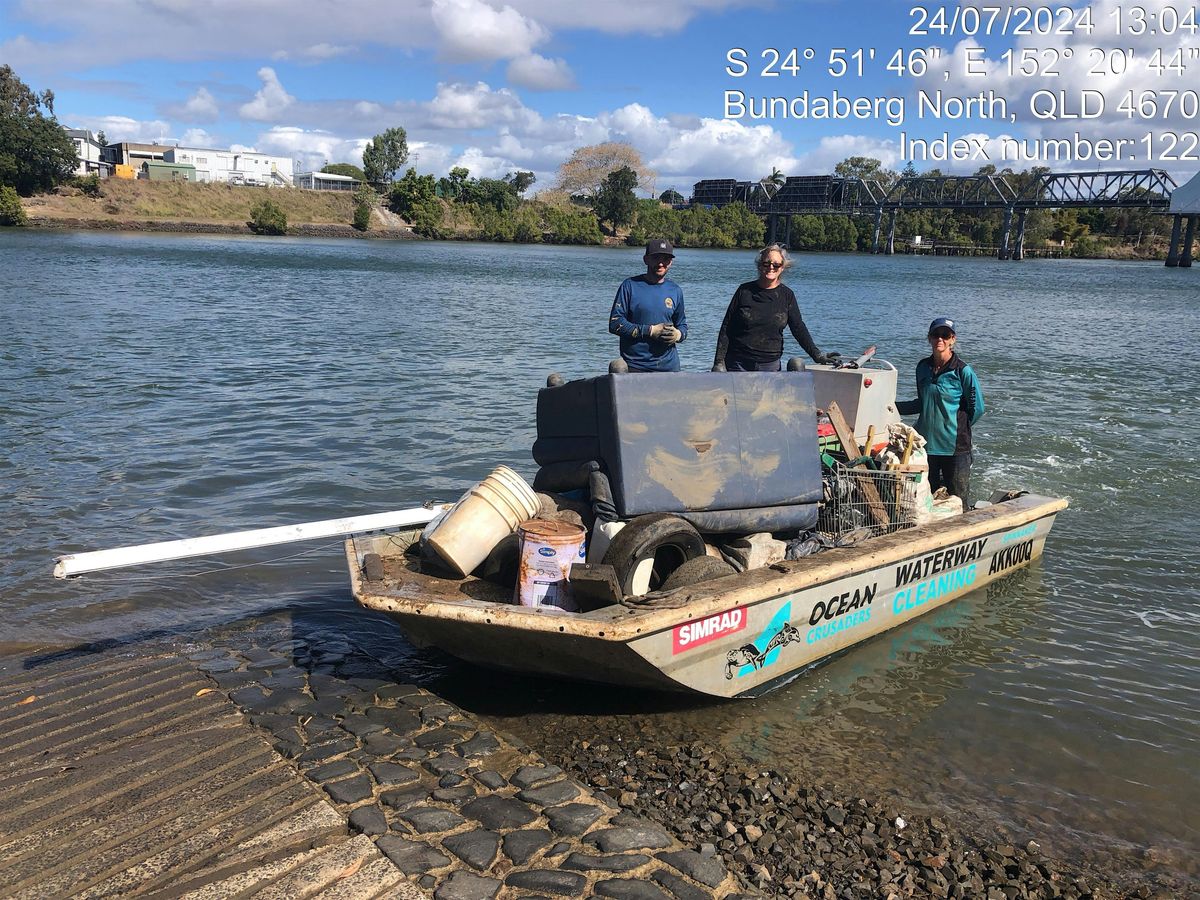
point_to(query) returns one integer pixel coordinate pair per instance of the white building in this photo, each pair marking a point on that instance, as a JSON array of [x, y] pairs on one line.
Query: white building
[[89, 151], [234, 167]]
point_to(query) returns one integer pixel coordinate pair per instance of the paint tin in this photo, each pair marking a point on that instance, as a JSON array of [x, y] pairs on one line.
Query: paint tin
[[548, 549]]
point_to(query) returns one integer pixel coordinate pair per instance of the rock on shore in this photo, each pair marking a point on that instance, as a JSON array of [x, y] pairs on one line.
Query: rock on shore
[[786, 839]]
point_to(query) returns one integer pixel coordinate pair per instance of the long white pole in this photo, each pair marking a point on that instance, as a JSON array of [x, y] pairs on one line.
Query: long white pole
[[78, 563]]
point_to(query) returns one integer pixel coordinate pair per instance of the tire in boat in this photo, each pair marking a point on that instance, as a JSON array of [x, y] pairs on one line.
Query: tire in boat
[[694, 571], [647, 550]]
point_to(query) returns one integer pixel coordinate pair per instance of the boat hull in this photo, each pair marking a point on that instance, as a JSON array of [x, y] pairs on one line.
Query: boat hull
[[735, 636]]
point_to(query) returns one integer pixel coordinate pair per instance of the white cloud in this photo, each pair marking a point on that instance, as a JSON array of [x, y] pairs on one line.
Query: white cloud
[[482, 165], [201, 106], [123, 128], [832, 149], [473, 31], [314, 54], [271, 100], [470, 106], [311, 149], [197, 137], [538, 73]]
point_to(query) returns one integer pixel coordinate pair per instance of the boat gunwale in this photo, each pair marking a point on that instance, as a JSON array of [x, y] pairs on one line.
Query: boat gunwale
[[623, 623]]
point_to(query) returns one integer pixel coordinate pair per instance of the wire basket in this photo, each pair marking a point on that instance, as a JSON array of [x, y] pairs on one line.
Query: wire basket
[[861, 503]]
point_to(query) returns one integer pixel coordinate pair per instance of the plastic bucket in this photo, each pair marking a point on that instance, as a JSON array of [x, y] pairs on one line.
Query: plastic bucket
[[485, 515], [548, 550]]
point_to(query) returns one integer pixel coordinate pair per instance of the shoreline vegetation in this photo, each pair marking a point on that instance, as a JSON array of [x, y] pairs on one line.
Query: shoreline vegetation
[[414, 210]]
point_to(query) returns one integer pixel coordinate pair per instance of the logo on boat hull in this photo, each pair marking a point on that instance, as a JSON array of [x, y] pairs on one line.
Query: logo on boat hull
[[764, 651], [701, 631]]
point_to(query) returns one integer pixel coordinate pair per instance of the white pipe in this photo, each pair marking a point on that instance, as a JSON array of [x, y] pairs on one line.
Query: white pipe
[[78, 563]]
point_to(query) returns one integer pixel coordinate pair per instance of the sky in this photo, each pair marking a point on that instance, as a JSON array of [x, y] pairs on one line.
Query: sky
[[498, 86]]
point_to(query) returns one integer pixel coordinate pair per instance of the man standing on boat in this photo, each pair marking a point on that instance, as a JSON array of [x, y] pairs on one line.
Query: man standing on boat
[[648, 314]]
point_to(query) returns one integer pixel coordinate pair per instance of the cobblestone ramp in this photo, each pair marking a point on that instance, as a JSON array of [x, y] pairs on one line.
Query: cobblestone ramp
[[124, 776], [460, 809]]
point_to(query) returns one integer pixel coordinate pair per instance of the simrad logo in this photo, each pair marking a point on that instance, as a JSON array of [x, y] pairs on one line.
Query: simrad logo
[[545, 551], [701, 631]]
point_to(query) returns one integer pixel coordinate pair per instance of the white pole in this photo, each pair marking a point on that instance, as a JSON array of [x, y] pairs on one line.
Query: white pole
[[78, 563]]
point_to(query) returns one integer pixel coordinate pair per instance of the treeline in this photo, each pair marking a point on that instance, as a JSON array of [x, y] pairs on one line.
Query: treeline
[[492, 209]]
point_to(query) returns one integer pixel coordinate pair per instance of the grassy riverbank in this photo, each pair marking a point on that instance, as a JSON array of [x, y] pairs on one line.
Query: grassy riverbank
[[181, 206]]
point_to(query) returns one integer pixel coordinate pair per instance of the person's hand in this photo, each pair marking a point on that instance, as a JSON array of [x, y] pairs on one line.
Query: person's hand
[[656, 330], [670, 334], [828, 359], [719, 367]]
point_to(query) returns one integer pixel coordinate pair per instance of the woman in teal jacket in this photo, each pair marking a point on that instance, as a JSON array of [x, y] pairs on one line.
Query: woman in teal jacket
[[949, 401]]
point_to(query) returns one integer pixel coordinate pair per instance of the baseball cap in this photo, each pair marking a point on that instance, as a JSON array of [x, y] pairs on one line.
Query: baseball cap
[[942, 322], [659, 245]]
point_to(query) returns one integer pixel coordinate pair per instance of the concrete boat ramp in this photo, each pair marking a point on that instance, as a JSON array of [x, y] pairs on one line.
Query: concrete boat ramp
[[259, 767]]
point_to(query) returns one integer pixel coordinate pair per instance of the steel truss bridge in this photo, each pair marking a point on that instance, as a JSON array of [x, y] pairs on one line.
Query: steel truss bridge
[[833, 195]]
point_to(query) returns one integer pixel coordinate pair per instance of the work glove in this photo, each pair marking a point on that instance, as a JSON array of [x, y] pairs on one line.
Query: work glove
[[656, 330], [670, 334], [827, 359]]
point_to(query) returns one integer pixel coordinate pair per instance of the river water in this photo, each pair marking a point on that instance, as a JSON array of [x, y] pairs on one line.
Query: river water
[[171, 386]]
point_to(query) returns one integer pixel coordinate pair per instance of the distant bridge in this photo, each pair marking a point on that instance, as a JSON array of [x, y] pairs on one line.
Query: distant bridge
[[834, 195]]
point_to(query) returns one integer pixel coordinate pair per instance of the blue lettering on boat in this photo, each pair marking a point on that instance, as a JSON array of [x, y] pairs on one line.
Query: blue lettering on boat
[[837, 625], [1025, 532], [920, 594]]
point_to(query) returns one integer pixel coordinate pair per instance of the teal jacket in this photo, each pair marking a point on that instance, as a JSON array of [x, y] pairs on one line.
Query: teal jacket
[[947, 404]]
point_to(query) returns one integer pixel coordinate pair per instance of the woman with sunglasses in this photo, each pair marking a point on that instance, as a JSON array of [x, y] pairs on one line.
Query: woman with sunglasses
[[751, 337], [949, 401]]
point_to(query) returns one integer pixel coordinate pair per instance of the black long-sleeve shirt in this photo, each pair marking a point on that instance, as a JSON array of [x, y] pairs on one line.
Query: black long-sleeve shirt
[[754, 323]]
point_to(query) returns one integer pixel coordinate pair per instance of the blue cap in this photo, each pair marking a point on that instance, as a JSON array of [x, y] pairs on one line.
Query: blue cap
[[942, 322]]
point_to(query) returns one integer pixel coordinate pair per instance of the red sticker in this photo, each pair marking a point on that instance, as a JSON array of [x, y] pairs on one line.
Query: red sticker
[[701, 631]]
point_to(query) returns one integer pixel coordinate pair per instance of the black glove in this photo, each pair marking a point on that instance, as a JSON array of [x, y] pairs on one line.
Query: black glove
[[827, 359]]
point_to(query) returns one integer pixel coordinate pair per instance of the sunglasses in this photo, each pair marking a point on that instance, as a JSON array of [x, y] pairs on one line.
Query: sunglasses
[[770, 265], [942, 335]]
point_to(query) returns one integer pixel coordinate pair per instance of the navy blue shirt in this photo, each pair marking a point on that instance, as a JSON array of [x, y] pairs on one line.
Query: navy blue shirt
[[638, 306]]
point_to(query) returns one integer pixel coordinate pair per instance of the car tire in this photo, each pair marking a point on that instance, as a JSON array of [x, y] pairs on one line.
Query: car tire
[[694, 571], [646, 551]]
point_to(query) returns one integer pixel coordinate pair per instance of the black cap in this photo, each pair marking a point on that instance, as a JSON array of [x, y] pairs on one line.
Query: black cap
[[942, 322], [659, 246]]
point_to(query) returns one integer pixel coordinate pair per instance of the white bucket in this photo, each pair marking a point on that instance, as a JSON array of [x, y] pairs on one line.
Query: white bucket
[[548, 550], [483, 516]]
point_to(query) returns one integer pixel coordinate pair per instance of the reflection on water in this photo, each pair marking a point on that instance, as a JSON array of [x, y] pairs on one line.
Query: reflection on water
[[169, 386]]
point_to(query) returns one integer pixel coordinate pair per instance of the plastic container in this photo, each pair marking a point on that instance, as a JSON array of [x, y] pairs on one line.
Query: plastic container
[[548, 549], [483, 516]]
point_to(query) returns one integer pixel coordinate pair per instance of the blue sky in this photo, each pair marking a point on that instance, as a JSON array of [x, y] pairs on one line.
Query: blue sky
[[498, 86]]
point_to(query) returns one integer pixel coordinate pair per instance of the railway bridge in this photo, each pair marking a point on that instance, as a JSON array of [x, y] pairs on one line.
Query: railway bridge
[[834, 195]]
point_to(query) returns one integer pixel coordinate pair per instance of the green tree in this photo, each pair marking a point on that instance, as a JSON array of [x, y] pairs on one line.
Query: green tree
[[452, 186], [615, 201], [364, 201], [385, 154], [520, 181], [11, 210], [776, 177], [348, 169], [267, 218], [101, 138], [671, 197], [491, 192], [35, 152]]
